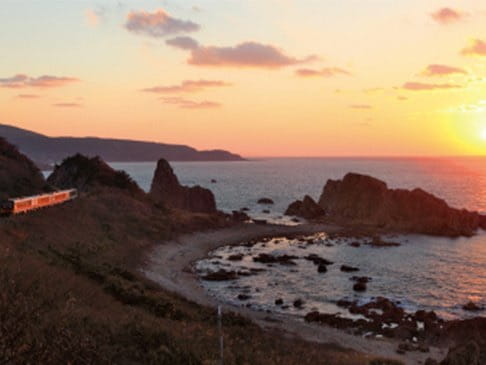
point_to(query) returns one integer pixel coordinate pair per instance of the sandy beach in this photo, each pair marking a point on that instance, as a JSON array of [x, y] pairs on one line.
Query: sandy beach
[[169, 265]]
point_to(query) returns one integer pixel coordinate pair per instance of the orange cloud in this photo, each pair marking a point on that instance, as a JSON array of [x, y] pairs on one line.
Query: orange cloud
[[190, 104], [46, 81], [68, 105], [92, 17], [158, 24], [28, 96], [419, 86], [187, 86], [476, 48], [442, 70], [447, 16], [247, 54], [325, 72]]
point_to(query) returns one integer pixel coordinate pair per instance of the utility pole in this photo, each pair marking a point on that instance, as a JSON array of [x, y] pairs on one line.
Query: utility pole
[[220, 330]]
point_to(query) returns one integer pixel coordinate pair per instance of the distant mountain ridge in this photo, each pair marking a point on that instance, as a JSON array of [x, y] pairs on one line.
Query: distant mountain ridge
[[48, 150]]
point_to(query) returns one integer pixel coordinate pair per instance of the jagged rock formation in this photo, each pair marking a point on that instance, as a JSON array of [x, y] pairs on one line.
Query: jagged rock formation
[[363, 200], [18, 175], [88, 174], [306, 208], [167, 190]]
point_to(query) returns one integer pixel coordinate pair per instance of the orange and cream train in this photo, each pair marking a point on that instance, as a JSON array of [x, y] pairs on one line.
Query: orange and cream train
[[25, 204]]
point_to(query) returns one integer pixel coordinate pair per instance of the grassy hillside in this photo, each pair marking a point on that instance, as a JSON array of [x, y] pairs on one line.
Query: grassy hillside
[[72, 293]]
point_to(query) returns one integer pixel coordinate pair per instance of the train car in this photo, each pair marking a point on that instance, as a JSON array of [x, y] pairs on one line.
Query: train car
[[25, 204]]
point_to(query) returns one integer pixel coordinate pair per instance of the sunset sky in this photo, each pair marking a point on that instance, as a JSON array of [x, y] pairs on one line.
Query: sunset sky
[[257, 77]]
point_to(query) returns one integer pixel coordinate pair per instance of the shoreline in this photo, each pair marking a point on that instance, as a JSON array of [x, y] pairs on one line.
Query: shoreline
[[169, 265]]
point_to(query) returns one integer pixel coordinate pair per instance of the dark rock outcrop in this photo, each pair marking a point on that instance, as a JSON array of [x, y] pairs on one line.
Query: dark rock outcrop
[[346, 268], [265, 258], [265, 201], [18, 175], [366, 201], [472, 307], [306, 208], [167, 190], [88, 174], [220, 275], [463, 354]]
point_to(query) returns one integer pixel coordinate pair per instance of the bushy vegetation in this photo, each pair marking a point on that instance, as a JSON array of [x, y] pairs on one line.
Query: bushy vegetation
[[18, 175]]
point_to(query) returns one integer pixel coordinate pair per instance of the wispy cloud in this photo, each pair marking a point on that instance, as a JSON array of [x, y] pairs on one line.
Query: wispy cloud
[[187, 86], [361, 106], [477, 47], [190, 104], [185, 43], [93, 17], [442, 70], [446, 16], [478, 107], [247, 54], [46, 81], [324, 72], [158, 24], [67, 105], [374, 90], [421, 86], [402, 98], [28, 96]]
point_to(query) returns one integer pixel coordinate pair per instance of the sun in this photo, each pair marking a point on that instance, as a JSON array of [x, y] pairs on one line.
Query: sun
[[483, 134]]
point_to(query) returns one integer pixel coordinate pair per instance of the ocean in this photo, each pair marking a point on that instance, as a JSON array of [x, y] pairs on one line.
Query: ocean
[[430, 273]]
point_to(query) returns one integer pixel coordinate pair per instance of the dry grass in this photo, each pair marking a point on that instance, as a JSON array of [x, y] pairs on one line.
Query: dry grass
[[70, 294]]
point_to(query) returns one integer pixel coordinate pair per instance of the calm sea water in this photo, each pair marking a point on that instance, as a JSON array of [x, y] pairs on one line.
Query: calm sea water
[[424, 272]]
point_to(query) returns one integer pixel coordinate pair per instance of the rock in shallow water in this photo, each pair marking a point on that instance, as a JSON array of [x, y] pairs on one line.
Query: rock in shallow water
[[364, 200], [346, 268], [167, 190], [306, 208]]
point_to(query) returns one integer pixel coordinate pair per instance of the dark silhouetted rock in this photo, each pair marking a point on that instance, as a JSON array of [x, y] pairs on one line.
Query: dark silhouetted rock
[[19, 176], [363, 200], [243, 297], [220, 275], [279, 301], [88, 174], [322, 268], [359, 286], [260, 221], [236, 257], [317, 260], [361, 279], [238, 216], [266, 201], [471, 306], [346, 268], [306, 208], [273, 259], [463, 354], [298, 303], [167, 190]]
